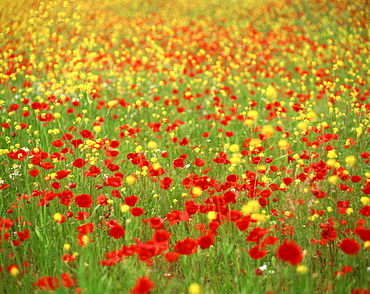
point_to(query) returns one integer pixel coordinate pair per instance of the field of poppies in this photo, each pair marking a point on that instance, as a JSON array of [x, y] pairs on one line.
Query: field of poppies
[[182, 146]]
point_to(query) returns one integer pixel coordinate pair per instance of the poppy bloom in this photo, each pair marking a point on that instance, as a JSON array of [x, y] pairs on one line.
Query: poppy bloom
[[136, 211], [171, 256], [79, 162], [156, 223], [131, 200], [365, 211], [117, 232], [198, 162], [350, 246], [68, 257], [243, 223], [205, 241], [290, 252], [179, 162], [256, 253], [48, 283], [161, 236], [86, 228], [187, 246], [34, 172], [143, 286], [83, 200], [67, 281]]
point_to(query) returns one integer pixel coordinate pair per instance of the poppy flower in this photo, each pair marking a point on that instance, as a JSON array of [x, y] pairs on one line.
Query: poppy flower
[[166, 182], [365, 211], [171, 256], [178, 163], [243, 223], [67, 281], [187, 246], [68, 258], [161, 236], [198, 162], [86, 228], [256, 253], [117, 232], [137, 211], [143, 286], [131, 200], [205, 241], [290, 252], [113, 182], [156, 223], [47, 283], [34, 172], [350, 246], [83, 200], [79, 162], [257, 234]]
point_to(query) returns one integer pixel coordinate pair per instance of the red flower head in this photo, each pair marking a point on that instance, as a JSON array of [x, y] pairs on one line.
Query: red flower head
[[179, 162], [156, 223], [290, 252], [83, 200], [256, 253], [117, 232], [143, 286], [205, 241], [79, 162], [350, 246], [131, 200], [171, 256], [187, 246]]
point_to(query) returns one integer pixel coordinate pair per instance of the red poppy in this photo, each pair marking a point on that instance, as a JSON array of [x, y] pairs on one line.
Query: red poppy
[[198, 162], [257, 234], [230, 197], [67, 281], [137, 211], [92, 172], [79, 162], [166, 182], [161, 236], [143, 286], [287, 181], [256, 253], [62, 174], [48, 283], [359, 291], [269, 240], [243, 223], [117, 232], [86, 228], [87, 134], [350, 246], [205, 241], [186, 246], [365, 211], [34, 172], [77, 143], [171, 256], [290, 252], [102, 200], [156, 223], [68, 258], [113, 182], [221, 158], [179, 162], [131, 200], [83, 200]]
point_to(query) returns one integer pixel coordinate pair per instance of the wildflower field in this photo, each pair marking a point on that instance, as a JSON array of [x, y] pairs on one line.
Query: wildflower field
[[181, 146]]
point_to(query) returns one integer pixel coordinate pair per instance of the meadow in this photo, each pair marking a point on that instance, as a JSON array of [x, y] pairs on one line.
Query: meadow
[[185, 146]]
